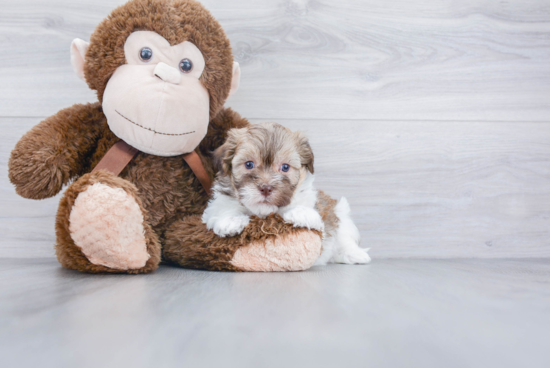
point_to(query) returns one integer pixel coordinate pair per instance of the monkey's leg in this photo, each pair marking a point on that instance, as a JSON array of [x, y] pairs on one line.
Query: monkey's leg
[[101, 226], [265, 245]]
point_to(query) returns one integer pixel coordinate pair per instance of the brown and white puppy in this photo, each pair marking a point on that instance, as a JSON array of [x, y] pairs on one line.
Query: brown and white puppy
[[267, 168]]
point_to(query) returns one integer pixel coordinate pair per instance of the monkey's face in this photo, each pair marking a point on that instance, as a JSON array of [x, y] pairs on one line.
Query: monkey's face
[[156, 102]]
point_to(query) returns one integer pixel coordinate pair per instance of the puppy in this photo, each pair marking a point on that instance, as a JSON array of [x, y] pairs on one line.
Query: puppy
[[266, 168]]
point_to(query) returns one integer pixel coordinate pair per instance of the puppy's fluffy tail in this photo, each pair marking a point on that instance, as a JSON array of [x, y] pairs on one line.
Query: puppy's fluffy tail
[[342, 208]]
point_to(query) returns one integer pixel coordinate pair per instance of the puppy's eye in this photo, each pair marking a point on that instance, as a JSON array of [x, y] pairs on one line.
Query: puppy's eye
[[186, 65], [285, 167], [249, 165], [145, 54]]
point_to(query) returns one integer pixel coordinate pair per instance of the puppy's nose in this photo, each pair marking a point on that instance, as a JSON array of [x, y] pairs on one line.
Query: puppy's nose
[[167, 73], [266, 190]]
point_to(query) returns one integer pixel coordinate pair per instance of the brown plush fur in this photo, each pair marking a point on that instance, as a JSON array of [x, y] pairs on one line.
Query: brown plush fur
[[55, 151], [205, 250], [66, 146], [168, 189]]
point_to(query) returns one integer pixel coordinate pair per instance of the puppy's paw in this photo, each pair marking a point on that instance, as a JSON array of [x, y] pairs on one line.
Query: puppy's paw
[[353, 255], [304, 217], [230, 226]]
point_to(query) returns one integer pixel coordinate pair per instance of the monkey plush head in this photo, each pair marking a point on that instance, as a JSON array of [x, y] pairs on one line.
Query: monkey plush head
[[162, 69]]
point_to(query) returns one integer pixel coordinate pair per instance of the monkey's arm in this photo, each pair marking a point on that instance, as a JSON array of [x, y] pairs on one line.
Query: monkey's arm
[[55, 151], [267, 244]]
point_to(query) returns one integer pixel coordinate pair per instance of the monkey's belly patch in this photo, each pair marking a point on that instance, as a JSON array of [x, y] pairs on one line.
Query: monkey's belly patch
[[293, 252], [107, 224]]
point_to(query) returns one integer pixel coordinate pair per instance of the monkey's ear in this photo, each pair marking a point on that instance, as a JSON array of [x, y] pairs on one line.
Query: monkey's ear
[[78, 52], [235, 79], [306, 153]]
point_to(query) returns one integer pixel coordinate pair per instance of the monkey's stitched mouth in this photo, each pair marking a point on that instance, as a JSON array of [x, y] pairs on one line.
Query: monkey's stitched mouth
[[151, 130]]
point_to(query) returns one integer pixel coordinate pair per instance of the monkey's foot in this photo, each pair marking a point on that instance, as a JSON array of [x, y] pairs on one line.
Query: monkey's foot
[[101, 226], [107, 224]]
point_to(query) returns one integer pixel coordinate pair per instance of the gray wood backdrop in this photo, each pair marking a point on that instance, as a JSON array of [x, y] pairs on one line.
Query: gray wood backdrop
[[432, 116]]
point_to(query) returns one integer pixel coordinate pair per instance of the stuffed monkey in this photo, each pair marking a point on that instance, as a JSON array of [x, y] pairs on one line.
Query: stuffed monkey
[[138, 160]]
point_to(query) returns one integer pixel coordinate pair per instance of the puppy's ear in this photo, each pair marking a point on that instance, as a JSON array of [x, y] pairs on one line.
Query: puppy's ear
[[304, 149], [224, 154]]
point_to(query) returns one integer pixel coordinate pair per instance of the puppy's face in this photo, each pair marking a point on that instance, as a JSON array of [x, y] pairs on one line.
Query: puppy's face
[[262, 165]]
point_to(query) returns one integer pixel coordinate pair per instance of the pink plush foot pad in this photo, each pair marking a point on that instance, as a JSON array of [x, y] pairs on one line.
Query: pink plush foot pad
[[107, 224], [293, 252]]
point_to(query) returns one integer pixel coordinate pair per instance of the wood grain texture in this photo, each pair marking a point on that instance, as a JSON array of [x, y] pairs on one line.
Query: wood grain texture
[[428, 115], [432, 189], [416, 189], [472, 60], [389, 314]]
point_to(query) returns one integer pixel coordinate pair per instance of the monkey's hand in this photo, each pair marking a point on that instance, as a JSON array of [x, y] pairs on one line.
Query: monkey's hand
[[53, 152]]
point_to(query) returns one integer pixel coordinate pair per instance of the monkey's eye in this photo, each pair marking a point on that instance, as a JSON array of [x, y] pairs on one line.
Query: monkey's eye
[[249, 165], [145, 54], [186, 65], [285, 167]]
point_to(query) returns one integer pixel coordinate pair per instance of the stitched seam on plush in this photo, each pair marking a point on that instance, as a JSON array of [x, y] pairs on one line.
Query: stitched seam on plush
[[152, 130]]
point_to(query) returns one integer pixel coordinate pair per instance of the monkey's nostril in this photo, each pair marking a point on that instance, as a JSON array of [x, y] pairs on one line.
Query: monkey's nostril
[[266, 190]]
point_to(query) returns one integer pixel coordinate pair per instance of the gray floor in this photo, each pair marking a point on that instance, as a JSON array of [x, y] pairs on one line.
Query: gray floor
[[391, 313]]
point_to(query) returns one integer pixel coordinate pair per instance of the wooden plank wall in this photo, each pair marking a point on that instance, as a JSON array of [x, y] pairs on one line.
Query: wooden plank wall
[[432, 117]]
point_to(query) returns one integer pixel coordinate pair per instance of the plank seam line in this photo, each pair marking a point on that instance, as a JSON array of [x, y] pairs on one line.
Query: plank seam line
[[365, 120]]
